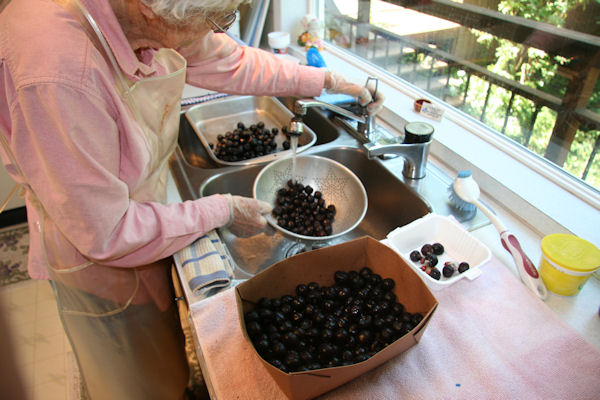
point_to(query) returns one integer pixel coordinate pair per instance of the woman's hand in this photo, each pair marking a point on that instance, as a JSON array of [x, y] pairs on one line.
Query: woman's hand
[[335, 83], [247, 217]]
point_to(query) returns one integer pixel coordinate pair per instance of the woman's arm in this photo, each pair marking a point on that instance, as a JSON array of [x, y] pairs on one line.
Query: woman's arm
[[83, 166], [217, 62]]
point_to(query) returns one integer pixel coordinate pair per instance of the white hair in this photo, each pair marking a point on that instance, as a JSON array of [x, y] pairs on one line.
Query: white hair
[[180, 11]]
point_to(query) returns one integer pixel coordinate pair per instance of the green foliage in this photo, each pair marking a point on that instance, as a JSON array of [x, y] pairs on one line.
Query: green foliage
[[594, 103], [536, 69], [526, 65], [552, 12], [542, 130], [579, 155]]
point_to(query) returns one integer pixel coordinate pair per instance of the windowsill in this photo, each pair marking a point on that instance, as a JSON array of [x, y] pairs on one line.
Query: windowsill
[[543, 205]]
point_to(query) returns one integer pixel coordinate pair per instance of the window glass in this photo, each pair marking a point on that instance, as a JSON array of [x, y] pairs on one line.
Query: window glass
[[527, 69]]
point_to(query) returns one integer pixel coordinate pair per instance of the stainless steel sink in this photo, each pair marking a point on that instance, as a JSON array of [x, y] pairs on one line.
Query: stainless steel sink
[[195, 154], [393, 200], [391, 204]]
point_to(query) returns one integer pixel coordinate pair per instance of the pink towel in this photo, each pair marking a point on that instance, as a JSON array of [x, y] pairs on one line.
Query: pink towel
[[489, 338]]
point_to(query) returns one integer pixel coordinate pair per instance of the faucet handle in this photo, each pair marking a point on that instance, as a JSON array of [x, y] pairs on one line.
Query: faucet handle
[[374, 94], [368, 127]]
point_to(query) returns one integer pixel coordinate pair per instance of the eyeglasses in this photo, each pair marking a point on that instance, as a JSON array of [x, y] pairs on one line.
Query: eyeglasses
[[224, 23]]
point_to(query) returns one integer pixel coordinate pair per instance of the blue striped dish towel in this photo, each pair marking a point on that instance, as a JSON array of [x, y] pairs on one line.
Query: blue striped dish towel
[[206, 265]]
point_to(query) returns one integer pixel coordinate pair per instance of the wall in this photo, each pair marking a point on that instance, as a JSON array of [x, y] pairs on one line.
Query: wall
[[288, 20]]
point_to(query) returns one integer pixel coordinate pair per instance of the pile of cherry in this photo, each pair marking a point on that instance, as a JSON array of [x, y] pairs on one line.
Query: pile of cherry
[[329, 326], [301, 209], [428, 258], [246, 142]]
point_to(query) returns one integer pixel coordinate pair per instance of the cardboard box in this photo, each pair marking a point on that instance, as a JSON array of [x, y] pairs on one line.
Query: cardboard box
[[319, 266]]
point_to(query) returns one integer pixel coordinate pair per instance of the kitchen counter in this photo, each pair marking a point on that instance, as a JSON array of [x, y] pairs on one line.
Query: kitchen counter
[[580, 312], [475, 346]]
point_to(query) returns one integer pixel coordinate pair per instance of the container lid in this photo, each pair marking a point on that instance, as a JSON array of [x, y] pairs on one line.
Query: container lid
[[278, 40], [571, 252], [419, 128]]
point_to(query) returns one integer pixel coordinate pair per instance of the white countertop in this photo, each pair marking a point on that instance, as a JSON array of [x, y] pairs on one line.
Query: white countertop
[[580, 311]]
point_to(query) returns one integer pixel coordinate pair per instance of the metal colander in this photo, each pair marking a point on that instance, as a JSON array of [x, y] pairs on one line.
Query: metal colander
[[338, 184]]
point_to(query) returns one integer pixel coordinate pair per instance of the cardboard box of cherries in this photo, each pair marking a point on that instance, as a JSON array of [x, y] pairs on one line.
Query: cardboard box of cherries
[[321, 318]]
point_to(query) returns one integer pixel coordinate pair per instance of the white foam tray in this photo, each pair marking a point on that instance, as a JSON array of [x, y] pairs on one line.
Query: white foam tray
[[459, 245]]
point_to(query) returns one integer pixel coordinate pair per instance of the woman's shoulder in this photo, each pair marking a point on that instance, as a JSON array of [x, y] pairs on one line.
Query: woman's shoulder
[[41, 43]]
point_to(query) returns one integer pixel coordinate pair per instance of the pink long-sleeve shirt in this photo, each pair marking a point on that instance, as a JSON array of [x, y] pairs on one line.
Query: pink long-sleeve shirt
[[68, 129]]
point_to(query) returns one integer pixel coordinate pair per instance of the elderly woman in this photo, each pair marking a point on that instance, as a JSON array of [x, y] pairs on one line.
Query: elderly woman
[[89, 107]]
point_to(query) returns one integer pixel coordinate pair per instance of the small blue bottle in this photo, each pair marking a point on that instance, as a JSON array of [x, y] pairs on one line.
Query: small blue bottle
[[314, 58]]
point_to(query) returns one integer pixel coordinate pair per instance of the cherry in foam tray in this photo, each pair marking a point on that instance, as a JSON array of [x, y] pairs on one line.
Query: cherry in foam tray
[[440, 249]]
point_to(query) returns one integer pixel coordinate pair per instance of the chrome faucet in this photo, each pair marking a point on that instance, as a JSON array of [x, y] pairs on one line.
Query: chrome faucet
[[366, 123], [414, 154]]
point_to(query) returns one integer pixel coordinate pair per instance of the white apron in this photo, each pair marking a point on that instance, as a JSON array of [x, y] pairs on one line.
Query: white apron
[[127, 337]]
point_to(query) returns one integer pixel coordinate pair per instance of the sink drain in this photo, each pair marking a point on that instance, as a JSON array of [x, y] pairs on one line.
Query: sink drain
[[299, 247], [295, 248]]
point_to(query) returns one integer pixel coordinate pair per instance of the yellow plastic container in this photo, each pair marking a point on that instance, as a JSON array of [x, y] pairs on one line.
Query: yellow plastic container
[[567, 263]]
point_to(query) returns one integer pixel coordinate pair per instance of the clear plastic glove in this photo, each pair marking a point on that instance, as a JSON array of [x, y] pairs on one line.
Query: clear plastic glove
[[335, 83], [246, 215]]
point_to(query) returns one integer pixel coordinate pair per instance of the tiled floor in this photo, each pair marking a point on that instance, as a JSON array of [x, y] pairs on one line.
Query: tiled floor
[[42, 350]]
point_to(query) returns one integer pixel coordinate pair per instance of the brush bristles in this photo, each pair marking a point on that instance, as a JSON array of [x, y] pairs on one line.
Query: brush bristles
[[459, 203]]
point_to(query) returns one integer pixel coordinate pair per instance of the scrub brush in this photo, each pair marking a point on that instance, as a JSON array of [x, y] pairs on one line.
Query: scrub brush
[[464, 195]]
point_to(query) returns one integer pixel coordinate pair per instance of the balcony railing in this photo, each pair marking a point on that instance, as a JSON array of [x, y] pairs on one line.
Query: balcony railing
[[423, 61]]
